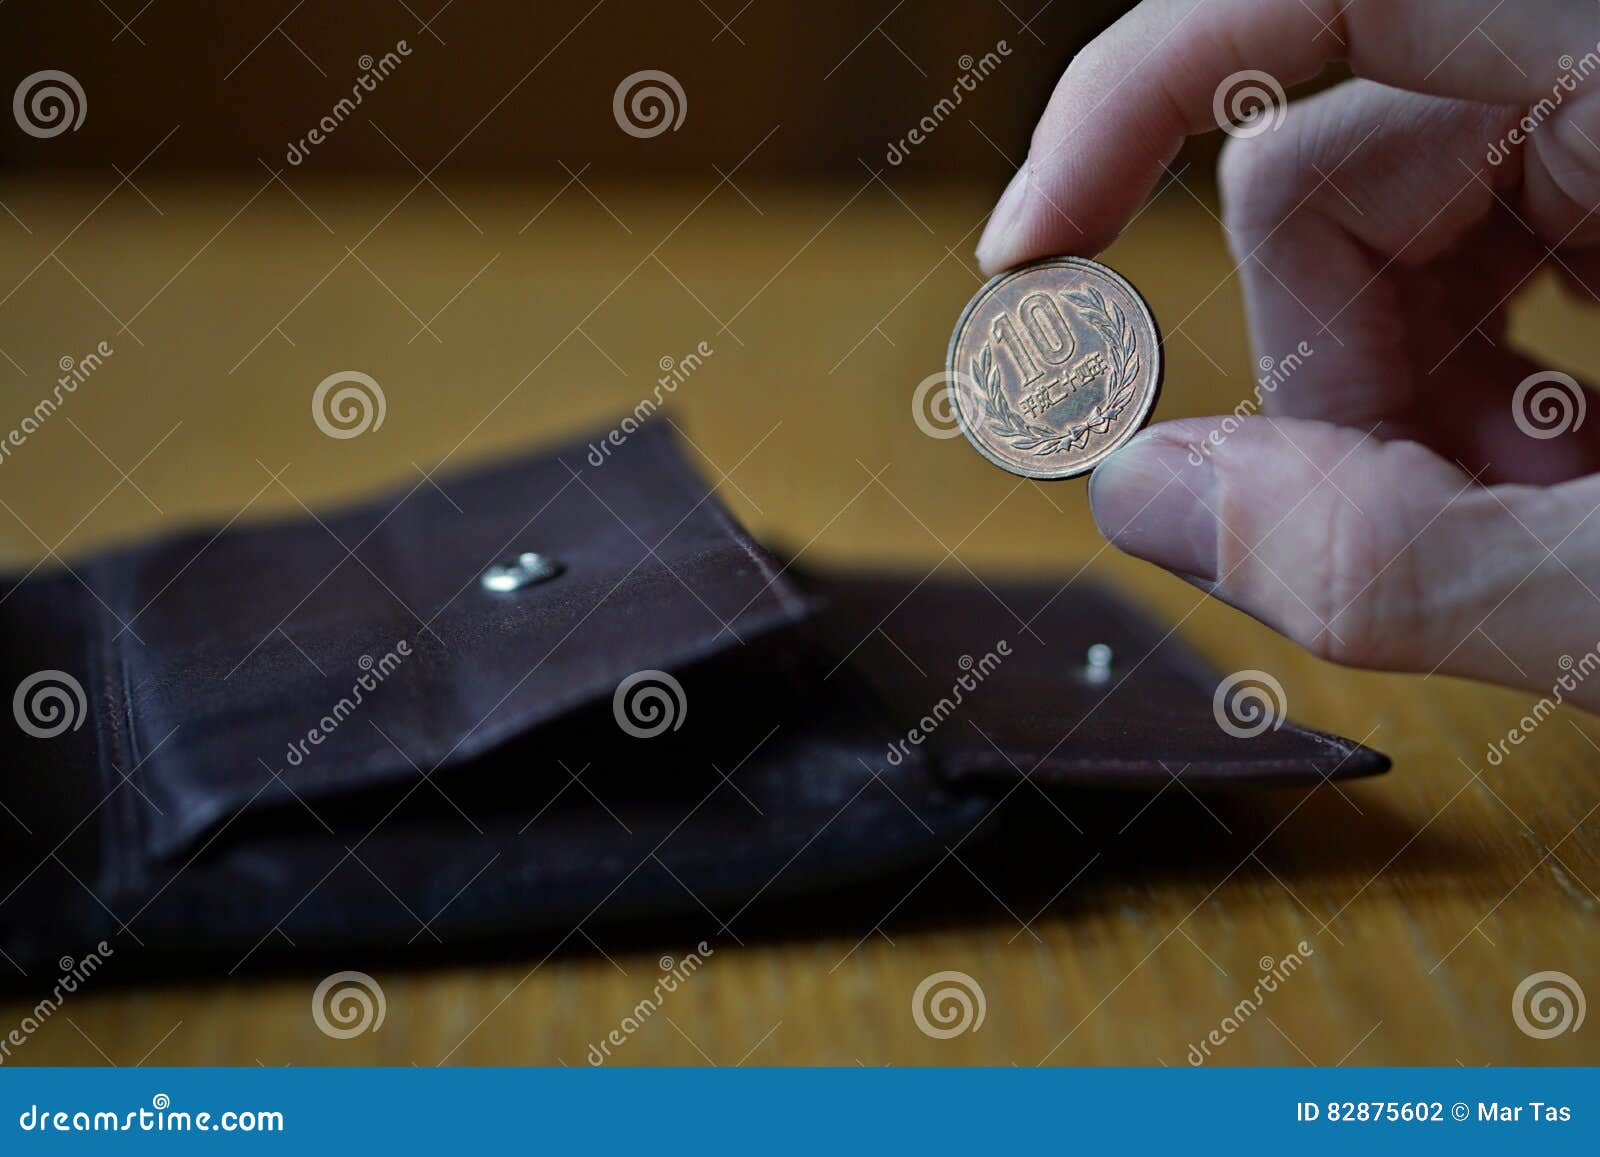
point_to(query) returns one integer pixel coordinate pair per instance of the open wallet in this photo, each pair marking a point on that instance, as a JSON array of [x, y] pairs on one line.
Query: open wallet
[[542, 693]]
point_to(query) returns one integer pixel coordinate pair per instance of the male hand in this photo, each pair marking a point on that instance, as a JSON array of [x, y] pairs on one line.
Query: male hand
[[1399, 502]]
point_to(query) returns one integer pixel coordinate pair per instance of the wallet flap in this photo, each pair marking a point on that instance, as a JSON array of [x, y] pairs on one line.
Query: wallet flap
[[332, 653], [995, 681]]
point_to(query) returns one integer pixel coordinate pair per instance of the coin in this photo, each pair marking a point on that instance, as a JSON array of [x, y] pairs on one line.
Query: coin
[[1054, 365]]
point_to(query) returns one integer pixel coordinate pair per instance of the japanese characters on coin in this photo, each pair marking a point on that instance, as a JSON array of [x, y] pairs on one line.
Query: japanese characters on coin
[[1054, 365]]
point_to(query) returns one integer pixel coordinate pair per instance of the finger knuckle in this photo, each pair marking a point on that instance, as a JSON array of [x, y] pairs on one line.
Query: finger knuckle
[[1358, 621], [1371, 600], [1249, 175]]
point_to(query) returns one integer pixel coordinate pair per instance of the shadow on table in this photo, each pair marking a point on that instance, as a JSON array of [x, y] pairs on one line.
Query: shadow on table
[[1034, 859]]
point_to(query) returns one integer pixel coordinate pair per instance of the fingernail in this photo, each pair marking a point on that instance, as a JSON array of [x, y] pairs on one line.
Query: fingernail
[[996, 240], [1153, 501]]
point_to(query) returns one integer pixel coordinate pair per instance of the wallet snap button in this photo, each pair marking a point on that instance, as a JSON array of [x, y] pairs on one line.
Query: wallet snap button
[[525, 570], [1097, 663]]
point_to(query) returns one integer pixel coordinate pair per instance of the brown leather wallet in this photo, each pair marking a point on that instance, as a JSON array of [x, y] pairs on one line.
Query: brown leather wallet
[[389, 730]]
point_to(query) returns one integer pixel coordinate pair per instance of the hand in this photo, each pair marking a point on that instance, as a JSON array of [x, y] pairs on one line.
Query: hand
[[1391, 511]]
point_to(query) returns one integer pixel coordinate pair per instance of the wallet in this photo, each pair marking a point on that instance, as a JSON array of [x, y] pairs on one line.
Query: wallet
[[538, 696]]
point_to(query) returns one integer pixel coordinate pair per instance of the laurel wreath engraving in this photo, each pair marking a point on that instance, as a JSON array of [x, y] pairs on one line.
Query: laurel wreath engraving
[[1108, 321]]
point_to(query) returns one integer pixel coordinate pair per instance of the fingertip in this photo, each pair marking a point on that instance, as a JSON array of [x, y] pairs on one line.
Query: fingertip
[[1045, 211], [999, 241], [1153, 499]]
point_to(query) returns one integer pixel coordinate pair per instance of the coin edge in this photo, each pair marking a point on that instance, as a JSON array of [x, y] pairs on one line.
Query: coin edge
[[1088, 465]]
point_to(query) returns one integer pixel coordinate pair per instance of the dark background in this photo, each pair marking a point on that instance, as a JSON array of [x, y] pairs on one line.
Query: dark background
[[842, 79]]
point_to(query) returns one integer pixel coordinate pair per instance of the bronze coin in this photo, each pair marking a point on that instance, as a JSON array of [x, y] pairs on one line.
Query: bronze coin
[[1054, 365]]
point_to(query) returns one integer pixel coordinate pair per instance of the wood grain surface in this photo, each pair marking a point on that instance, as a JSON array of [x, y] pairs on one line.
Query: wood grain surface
[[496, 316]]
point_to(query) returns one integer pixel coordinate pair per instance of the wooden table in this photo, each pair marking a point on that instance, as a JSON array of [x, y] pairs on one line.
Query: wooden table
[[507, 314]]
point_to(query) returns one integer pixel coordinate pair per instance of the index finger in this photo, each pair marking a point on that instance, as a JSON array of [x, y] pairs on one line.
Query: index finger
[[1162, 72]]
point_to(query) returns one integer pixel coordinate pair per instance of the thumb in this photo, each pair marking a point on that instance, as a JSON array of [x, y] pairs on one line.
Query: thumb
[[1376, 554]]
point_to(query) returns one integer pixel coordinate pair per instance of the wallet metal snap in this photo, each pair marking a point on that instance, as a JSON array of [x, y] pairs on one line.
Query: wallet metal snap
[[525, 570], [1097, 663]]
